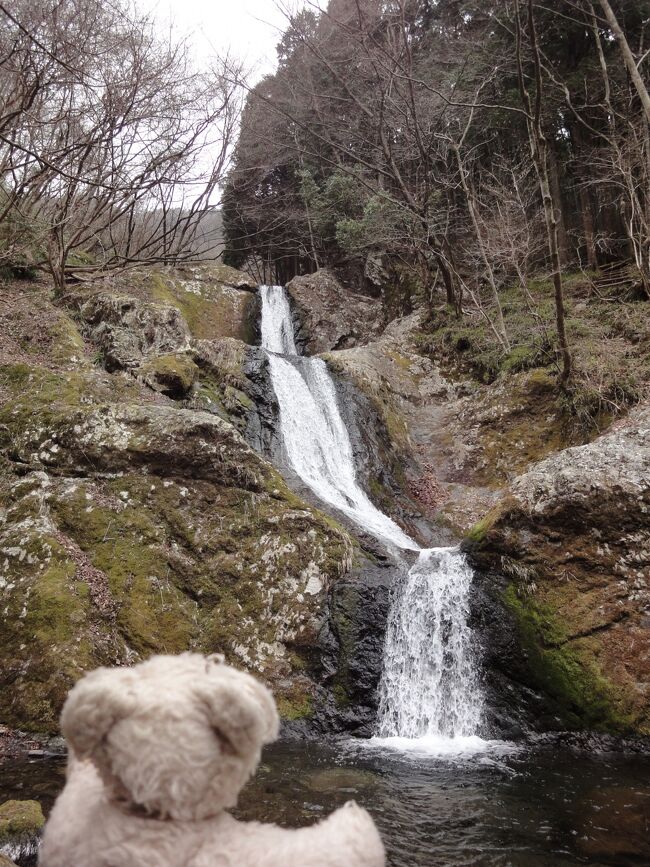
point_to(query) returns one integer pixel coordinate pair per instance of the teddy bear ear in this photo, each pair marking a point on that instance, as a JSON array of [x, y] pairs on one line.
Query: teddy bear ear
[[240, 709], [93, 706]]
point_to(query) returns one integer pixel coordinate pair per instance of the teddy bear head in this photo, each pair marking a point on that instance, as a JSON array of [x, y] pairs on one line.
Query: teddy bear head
[[175, 736]]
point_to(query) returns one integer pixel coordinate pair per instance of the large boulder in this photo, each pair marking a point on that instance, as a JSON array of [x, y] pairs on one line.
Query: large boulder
[[152, 311], [572, 537], [62, 428], [127, 329], [331, 316]]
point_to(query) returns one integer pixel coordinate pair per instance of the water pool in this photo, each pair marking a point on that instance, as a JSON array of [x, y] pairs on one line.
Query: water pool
[[535, 807]]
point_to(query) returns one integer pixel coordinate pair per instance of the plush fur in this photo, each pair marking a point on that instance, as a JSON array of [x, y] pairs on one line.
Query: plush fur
[[157, 754]]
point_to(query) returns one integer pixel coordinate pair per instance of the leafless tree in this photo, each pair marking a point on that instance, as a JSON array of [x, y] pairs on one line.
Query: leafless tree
[[539, 153], [114, 144]]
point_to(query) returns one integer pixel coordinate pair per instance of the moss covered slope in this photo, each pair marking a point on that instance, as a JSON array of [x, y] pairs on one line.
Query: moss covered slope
[[131, 523]]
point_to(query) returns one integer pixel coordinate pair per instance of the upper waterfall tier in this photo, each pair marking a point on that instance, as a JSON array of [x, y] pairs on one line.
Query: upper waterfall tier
[[277, 324], [314, 434]]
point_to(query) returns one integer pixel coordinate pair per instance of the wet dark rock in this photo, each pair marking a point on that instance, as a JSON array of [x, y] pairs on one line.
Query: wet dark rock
[[262, 429], [589, 743], [359, 606], [348, 653], [513, 708]]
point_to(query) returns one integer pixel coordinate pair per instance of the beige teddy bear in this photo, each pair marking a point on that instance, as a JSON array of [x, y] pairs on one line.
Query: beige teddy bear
[[158, 752]]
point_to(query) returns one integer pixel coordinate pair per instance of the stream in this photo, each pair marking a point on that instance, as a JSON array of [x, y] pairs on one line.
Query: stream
[[536, 807]]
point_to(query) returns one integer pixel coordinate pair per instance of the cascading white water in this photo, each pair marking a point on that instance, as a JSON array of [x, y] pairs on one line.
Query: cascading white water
[[429, 685], [314, 434]]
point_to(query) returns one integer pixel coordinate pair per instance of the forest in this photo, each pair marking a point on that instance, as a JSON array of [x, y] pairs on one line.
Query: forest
[[455, 150]]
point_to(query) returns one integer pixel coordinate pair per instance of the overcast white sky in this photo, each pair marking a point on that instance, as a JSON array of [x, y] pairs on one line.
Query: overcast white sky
[[251, 28]]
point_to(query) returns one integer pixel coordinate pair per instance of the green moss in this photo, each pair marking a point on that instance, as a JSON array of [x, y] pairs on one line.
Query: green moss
[[67, 343], [47, 611], [341, 696], [172, 374], [400, 360], [541, 381], [611, 370], [295, 706], [53, 609], [19, 819], [124, 545], [479, 531], [211, 311], [565, 670], [80, 258], [42, 400], [345, 618], [519, 358]]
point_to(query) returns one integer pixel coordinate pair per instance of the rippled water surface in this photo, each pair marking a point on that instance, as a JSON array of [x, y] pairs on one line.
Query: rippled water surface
[[534, 808]]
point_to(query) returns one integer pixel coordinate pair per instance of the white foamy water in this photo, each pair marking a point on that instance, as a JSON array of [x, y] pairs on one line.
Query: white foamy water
[[442, 747], [315, 437], [430, 687], [430, 697]]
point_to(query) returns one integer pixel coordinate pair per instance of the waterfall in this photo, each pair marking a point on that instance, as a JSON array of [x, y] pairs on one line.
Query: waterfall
[[429, 686], [313, 432]]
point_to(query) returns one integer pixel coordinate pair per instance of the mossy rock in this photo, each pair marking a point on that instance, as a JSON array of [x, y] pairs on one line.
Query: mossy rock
[[478, 533], [131, 526], [566, 670], [126, 329], [19, 820], [173, 375], [212, 309], [295, 705], [217, 272], [139, 564]]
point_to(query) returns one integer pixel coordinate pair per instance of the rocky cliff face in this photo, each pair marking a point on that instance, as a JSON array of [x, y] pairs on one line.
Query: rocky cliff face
[[572, 538], [135, 516]]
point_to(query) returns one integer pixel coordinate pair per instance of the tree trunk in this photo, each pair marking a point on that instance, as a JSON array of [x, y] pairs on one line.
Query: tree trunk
[[588, 226], [551, 226], [628, 57], [556, 190], [539, 153], [447, 278], [584, 196], [469, 198]]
